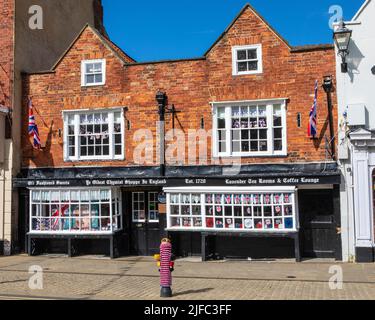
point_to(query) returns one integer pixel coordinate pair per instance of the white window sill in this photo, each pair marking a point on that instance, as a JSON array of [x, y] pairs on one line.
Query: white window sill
[[252, 155], [233, 230], [247, 73], [93, 85], [63, 233], [93, 159]]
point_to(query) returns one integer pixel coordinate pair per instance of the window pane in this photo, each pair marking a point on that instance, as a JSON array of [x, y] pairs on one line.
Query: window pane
[[117, 128], [263, 134], [90, 119], [278, 145], [98, 78], [221, 113], [71, 141], [71, 120], [242, 66], [254, 134], [84, 151], [222, 135], [89, 68], [222, 147], [245, 134], [262, 111], [118, 150], [252, 54], [236, 146], [236, 134], [245, 146], [263, 146], [253, 65], [90, 79], [254, 146], [117, 138], [117, 117], [241, 55], [278, 133], [277, 121], [221, 124], [98, 67]]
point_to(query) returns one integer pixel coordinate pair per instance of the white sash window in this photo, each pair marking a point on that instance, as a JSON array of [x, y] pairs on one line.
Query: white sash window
[[249, 129]]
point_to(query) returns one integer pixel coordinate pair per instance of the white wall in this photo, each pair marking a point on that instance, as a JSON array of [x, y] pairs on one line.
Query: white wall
[[357, 87]]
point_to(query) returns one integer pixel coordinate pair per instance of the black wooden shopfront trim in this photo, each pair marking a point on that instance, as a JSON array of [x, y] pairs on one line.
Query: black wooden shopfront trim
[[71, 240], [207, 247], [268, 174], [270, 180]]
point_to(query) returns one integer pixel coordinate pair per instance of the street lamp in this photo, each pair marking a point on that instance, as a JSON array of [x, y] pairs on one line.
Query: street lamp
[[328, 84], [342, 38]]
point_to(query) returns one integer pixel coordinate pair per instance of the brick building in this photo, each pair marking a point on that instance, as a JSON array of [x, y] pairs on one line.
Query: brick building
[[33, 35], [101, 174]]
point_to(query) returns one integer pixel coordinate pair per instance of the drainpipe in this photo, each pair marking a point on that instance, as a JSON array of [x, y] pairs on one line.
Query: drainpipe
[[328, 88], [161, 98]]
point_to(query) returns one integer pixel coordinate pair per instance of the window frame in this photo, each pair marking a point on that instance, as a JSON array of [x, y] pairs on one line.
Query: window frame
[[111, 121], [203, 191], [270, 128], [156, 210], [115, 201], [84, 83], [259, 50], [138, 220]]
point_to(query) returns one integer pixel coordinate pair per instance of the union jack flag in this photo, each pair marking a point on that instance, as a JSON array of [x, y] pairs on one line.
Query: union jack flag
[[33, 128], [312, 130], [57, 215]]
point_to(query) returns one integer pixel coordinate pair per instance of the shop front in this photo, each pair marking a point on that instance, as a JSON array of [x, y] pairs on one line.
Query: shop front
[[255, 218], [75, 216], [253, 215]]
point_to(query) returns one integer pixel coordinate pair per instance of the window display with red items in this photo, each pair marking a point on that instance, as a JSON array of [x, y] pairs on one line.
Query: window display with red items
[[210, 222], [236, 211]]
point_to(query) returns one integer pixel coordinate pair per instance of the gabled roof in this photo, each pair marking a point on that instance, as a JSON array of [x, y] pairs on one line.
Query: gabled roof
[[108, 43], [127, 60], [364, 6], [246, 7]]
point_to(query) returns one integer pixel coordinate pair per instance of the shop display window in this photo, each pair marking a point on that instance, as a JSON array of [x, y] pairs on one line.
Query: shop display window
[[265, 211], [75, 211]]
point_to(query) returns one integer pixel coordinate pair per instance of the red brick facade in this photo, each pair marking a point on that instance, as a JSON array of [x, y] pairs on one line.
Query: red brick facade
[[190, 85], [7, 50]]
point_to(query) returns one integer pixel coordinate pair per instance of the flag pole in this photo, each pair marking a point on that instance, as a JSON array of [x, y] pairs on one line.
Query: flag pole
[[328, 88]]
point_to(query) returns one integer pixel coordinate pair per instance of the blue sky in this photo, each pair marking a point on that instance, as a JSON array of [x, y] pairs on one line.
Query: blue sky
[[151, 30]]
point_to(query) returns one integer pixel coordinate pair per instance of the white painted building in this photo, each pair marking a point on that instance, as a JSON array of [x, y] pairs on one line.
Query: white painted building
[[356, 96]]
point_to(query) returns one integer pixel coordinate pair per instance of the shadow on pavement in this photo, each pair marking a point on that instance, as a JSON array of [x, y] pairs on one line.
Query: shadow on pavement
[[183, 293]]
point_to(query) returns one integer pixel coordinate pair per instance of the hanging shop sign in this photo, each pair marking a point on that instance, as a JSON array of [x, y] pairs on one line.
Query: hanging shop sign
[[162, 198]]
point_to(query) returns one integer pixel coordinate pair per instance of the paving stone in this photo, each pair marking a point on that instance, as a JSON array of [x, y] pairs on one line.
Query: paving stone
[[138, 279]]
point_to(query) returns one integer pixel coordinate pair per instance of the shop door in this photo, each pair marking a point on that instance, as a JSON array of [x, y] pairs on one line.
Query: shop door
[[145, 230], [318, 227]]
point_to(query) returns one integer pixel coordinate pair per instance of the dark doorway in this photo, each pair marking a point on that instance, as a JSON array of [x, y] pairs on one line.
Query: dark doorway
[[23, 220], [317, 220], [144, 222]]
